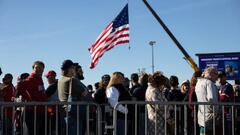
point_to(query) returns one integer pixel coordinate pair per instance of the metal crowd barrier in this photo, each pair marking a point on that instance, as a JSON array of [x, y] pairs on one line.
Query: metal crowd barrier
[[180, 119], [101, 121], [18, 115]]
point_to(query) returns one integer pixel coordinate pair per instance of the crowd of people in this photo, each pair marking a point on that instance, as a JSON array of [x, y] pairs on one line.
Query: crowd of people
[[112, 89]]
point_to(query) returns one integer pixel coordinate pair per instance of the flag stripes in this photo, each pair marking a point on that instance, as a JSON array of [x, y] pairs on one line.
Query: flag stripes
[[117, 32]]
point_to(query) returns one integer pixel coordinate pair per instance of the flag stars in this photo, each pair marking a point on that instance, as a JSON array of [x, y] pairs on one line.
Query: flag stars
[[117, 33]]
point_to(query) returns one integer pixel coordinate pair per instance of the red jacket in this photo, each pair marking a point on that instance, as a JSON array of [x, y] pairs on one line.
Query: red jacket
[[32, 89], [9, 92]]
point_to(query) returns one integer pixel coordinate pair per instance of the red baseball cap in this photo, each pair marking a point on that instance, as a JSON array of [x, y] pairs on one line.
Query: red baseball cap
[[50, 73]]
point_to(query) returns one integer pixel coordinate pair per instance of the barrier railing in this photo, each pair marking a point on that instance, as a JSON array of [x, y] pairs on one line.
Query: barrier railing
[[180, 119], [177, 118], [56, 118]]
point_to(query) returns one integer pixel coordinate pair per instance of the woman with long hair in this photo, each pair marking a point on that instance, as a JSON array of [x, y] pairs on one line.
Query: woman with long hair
[[115, 93]]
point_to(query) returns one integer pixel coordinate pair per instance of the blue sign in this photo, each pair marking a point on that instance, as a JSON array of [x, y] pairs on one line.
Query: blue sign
[[226, 62]]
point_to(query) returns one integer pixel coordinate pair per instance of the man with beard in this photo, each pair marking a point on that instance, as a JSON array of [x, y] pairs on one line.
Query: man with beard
[[83, 108], [78, 74], [70, 89]]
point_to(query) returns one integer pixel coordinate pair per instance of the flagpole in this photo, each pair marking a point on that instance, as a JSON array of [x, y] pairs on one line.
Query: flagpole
[[129, 46]]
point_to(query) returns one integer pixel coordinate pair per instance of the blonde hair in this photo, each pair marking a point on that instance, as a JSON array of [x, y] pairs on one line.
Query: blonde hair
[[209, 71], [116, 78]]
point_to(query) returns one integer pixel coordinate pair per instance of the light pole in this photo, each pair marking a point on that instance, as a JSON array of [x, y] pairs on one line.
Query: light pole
[[152, 43]]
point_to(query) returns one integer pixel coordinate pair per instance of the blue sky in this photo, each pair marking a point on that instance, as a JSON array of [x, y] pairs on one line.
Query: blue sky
[[55, 30]]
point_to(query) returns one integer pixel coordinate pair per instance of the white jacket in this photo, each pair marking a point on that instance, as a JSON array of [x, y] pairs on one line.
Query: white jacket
[[206, 91]]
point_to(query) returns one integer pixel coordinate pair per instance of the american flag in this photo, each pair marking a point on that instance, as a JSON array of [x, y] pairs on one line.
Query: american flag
[[117, 32]]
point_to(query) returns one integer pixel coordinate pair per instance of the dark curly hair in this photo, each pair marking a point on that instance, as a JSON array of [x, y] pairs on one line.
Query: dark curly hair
[[157, 79], [173, 81]]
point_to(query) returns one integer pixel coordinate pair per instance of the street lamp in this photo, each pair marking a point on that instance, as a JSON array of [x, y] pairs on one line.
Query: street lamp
[[152, 43]]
